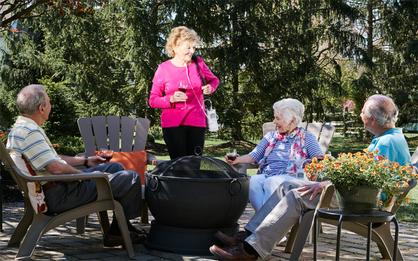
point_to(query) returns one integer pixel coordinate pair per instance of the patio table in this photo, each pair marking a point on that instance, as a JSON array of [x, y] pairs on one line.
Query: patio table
[[374, 216]]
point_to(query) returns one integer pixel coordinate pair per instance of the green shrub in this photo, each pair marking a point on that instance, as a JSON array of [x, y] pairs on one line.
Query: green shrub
[[68, 145]]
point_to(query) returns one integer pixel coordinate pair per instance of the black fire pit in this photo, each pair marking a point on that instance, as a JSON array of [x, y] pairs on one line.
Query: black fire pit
[[191, 198]]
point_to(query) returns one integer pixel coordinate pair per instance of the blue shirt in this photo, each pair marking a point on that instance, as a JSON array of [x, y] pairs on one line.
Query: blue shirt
[[392, 145], [277, 161]]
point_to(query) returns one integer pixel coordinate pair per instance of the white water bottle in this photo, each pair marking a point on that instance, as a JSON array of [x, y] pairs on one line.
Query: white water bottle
[[212, 118]]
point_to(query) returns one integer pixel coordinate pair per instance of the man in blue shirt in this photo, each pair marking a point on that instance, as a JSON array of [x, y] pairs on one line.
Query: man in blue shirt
[[379, 115], [285, 207]]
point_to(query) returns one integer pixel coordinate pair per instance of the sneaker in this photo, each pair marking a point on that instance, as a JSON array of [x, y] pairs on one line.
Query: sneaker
[[232, 253], [112, 240], [234, 240]]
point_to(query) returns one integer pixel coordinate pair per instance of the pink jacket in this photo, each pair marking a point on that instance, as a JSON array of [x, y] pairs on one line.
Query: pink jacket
[[165, 83]]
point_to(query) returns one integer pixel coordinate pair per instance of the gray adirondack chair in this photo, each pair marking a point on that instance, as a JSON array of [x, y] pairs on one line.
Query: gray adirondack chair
[[118, 133], [32, 225], [414, 158], [113, 132], [322, 131]]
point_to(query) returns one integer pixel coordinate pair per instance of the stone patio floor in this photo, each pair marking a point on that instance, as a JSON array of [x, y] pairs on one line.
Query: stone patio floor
[[63, 243]]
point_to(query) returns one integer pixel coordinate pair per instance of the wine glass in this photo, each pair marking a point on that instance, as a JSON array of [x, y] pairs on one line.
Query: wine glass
[[183, 88], [232, 155], [105, 153]]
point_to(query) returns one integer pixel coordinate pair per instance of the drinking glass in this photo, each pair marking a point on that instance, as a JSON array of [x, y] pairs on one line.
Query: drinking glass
[[232, 155], [183, 88], [105, 153]]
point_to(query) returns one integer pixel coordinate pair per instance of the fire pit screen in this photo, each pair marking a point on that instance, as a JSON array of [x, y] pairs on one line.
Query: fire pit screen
[[193, 197]]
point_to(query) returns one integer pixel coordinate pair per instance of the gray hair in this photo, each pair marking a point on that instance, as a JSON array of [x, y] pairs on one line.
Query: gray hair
[[382, 109], [30, 98], [290, 108], [180, 34]]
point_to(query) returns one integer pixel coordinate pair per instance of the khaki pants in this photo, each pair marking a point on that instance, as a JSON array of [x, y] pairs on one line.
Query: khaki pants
[[277, 216]]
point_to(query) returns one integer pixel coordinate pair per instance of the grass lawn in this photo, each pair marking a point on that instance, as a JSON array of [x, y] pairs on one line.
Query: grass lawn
[[218, 148]]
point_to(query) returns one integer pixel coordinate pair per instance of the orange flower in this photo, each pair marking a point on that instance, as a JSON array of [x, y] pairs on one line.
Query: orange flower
[[363, 168]]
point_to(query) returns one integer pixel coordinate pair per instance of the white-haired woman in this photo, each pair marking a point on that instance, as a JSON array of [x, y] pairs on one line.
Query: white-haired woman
[[281, 153], [177, 89]]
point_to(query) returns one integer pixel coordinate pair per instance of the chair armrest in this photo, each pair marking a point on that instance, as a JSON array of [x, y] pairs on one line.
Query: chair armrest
[[326, 196], [243, 167], [104, 191], [69, 177]]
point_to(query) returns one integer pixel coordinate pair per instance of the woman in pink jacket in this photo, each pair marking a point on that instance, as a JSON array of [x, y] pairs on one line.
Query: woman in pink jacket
[[178, 90]]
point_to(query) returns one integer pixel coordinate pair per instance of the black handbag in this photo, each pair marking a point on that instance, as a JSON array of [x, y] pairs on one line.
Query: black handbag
[[194, 58]]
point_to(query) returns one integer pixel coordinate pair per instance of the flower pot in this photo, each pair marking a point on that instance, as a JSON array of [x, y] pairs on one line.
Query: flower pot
[[359, 200]]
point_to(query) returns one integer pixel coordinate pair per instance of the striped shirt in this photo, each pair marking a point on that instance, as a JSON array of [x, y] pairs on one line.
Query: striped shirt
[[277, 161], [27, 138]]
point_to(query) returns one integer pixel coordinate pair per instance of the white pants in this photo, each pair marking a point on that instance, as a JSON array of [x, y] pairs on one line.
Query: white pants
[[262, 187]]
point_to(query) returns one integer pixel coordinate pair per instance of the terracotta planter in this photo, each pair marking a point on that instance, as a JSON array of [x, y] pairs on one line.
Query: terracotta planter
[[359, 200]]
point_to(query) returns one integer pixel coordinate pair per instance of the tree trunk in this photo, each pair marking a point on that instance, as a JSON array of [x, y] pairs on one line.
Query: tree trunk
[[369, 35], [236, 103]]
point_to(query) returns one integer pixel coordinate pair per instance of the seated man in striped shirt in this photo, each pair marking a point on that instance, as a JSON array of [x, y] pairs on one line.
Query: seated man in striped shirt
[[28, 142]]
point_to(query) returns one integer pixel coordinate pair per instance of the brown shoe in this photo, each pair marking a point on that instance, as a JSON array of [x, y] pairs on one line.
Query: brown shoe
[[232, 253], [234, 240]]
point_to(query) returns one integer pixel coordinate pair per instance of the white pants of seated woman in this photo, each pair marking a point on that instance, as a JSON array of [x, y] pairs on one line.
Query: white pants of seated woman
[[262, 187]]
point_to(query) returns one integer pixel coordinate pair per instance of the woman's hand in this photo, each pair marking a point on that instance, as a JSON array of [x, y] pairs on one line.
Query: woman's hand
[[233, 162], [178, 97], [207, 89], [241, 159], [315, 189]]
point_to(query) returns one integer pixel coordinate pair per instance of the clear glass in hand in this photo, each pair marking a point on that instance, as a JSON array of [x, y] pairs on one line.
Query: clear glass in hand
[[105, 153], [183, 88], [232, 155]]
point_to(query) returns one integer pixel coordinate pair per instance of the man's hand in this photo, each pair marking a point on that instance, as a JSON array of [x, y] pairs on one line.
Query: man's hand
[[315, 189], [95, 160]]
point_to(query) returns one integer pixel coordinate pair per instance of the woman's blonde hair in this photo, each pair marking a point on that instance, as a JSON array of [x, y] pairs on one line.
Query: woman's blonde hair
[[180, 34]]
